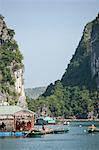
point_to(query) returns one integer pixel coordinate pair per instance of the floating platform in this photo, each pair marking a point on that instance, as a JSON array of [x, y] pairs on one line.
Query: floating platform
[[35, 133], [32, 133], [11, 134]]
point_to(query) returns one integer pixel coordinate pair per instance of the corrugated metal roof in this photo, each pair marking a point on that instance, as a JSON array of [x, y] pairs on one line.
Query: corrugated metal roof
[[11, 110]]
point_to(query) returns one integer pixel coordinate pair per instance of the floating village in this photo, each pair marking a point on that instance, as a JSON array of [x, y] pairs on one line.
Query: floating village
[[16, 120]]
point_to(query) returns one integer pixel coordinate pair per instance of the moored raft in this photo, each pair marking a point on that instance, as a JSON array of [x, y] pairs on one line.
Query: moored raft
[[34, 133]]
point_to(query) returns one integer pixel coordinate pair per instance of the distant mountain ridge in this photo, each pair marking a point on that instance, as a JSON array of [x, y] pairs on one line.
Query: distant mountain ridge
[[34, 93]]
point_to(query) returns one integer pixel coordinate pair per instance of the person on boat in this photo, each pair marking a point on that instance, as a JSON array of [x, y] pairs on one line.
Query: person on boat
[[92, 126], [3, 126], [18, 125], [22, 125], [28, 125], [43, 127]]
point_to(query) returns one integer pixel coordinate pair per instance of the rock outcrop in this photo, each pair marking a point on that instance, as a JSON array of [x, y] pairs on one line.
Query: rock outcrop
[[95, 50], [11, 68], [83, 70], [77, 93]]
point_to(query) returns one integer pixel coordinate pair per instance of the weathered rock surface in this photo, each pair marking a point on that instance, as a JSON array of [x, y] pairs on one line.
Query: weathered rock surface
[[11, 68]]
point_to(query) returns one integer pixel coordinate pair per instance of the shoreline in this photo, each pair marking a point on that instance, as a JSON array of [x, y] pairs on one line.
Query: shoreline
[[81, 120]]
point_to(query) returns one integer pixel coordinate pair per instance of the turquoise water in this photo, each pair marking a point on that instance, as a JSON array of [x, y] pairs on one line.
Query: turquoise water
[[76, 139]]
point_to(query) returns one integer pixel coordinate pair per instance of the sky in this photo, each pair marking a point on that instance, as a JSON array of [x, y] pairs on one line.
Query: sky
[[48, 33]]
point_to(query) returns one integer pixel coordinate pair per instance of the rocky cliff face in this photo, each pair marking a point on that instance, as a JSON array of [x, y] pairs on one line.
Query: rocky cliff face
[[11, 68], [83, 70], [95, 50]]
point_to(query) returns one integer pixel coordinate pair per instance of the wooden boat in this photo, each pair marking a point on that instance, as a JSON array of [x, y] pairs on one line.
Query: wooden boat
[[33, 134], [58, 131], [92, 129], [37, 133]]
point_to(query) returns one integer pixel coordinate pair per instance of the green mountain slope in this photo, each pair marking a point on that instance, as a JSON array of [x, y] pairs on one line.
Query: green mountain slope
[[77, 92], [83, 67]]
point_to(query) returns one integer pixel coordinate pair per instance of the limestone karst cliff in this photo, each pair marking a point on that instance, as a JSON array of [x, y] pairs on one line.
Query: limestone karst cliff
[[77, 93], [95, 50], [83, 69], [11, 68]]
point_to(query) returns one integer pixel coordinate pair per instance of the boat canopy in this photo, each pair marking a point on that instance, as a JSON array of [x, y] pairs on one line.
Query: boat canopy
[[49, 120]]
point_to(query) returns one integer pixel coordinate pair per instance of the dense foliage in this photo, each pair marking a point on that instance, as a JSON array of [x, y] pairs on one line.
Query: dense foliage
[[66, 101]]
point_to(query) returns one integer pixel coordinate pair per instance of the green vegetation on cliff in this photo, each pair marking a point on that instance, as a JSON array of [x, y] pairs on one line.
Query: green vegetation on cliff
[[77, 92], [66, 101], [10, 60]]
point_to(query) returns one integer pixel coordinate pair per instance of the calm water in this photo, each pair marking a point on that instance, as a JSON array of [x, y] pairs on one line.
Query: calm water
[[75, 139]]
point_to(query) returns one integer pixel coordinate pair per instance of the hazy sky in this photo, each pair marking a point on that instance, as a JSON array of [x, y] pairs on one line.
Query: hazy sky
[[48, 32]]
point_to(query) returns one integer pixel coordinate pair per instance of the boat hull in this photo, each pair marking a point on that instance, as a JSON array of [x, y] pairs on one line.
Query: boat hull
[[60, 131], [93, 130], [43, 132]]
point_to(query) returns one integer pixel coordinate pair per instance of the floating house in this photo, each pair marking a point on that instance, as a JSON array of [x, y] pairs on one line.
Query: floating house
[[15, 118]]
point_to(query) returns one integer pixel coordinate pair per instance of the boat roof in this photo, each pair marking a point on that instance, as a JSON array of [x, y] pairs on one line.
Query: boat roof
[[48, 118]]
